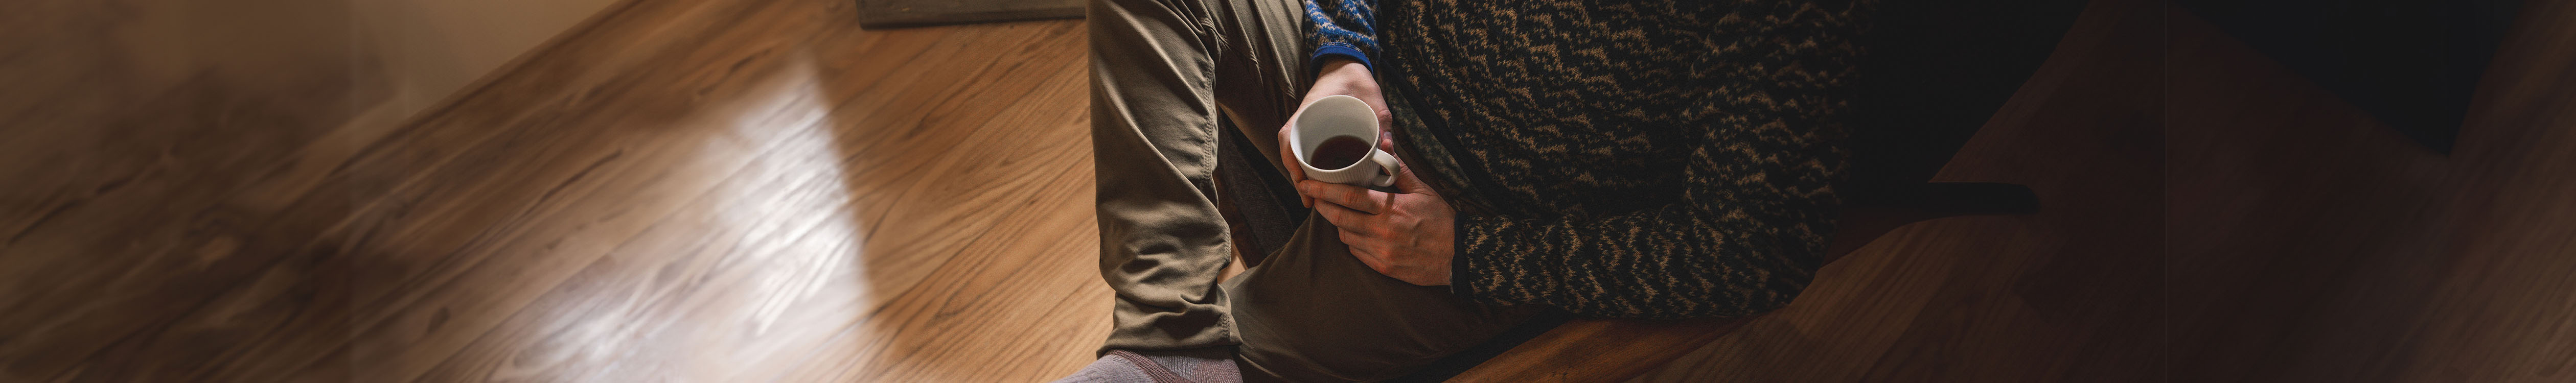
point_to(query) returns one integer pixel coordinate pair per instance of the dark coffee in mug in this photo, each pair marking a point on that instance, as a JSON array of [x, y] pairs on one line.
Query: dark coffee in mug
[[1338, 152], [1335, 141]]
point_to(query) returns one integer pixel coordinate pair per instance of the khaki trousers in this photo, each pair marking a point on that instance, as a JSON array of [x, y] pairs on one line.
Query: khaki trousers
[[1165, 73]]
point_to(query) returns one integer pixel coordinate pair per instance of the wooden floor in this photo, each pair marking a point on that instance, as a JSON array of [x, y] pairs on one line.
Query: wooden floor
[[2069, 294], [2308, 243], [743, 191], [706, 191]]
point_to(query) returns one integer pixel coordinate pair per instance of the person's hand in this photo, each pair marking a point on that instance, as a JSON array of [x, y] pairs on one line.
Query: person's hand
[[1405, 235], [1339, 77]]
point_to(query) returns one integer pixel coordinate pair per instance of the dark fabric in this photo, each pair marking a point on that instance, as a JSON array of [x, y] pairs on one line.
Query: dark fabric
[[2412, 64], [1454, 364], [1621, 158], [1936, 70], [1628, 158], [1313, 313], [1259, 203]]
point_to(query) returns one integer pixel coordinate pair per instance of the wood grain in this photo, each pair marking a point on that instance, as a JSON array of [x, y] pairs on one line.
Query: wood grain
[[1600, 350], [2322, 246], [678, 191], [2068, 294], [737, 190]]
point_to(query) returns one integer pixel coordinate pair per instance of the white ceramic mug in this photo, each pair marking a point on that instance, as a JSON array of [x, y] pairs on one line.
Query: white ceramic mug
[[1340, 116]]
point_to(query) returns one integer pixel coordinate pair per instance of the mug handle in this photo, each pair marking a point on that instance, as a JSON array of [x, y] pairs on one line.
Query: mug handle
[[1386, 163]]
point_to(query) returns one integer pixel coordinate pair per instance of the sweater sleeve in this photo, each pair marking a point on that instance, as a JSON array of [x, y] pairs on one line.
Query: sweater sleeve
[[1342, 28], [1749, 233]]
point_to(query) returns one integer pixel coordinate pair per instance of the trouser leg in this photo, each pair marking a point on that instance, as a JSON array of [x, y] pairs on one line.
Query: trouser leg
[[1162, 243], [1164, 72]]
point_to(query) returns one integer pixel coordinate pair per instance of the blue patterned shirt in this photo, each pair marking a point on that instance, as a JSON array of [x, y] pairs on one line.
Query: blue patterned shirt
[[1343, 29]]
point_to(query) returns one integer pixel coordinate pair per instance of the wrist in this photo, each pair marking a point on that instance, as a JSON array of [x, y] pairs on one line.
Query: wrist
[[1344, 74]]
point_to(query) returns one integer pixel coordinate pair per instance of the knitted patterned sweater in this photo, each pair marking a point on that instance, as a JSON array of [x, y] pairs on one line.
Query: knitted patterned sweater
[[1638, 159]]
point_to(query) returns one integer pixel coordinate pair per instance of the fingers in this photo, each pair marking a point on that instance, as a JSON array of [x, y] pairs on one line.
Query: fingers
[[1358, 245], [1355, 242], [1288, 160], [1342, 217], [1297, 175], [1353, 197], [1353, 229]]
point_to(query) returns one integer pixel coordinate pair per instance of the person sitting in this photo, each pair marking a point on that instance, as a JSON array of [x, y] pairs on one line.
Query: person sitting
[[1619, 159]]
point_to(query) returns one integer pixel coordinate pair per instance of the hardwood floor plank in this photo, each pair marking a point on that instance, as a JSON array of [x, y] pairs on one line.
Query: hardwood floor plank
[[2068, 294], [689, 190], [2360, 256]]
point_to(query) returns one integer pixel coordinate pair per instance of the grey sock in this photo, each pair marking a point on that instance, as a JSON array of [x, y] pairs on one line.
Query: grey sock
[[1109, 369], [1187, 366]]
